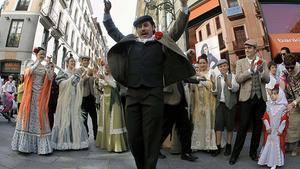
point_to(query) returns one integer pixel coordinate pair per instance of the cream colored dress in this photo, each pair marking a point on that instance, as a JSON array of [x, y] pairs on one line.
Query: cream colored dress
[[112, 133], [203, 106], [68, 130]]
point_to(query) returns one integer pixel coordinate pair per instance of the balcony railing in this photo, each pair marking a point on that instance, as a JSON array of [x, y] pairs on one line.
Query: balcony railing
[[50, 15], [235, 12]]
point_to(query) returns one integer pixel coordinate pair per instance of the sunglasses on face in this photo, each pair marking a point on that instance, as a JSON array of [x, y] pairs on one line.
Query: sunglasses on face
[[289, 67], [283, 54]]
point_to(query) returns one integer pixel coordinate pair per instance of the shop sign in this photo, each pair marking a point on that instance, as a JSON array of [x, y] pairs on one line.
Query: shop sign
[[11, 67]]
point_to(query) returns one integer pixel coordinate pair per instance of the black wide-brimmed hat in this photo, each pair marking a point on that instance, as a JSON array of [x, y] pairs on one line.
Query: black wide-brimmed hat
[[142, 19]]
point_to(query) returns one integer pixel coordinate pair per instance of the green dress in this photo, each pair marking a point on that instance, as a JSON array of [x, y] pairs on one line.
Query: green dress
[[112, 133]]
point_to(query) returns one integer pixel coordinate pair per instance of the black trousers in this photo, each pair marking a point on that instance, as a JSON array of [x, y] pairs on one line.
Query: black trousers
[[89, 108], [177, 114], [252, 111], [51, 112], [144, 114]]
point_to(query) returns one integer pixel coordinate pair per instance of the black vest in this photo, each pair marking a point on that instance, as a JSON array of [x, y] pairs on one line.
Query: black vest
[[145, 64]]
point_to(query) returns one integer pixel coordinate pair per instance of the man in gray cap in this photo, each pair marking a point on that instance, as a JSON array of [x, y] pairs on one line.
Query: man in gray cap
[[225, 90], [252, 74], [145, 63], [88, 105]]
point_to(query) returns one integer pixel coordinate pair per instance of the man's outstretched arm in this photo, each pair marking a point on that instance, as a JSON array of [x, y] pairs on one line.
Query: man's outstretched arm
[[110, 27], [181, 22]]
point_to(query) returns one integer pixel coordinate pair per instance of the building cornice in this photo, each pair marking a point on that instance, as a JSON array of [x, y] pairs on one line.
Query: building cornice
[[20, 13]]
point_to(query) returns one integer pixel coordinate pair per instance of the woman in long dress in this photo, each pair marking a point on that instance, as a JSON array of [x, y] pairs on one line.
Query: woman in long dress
[[290, 83], [203, 106], [32, 133], [274, 119], [112, 133], [68, 130]]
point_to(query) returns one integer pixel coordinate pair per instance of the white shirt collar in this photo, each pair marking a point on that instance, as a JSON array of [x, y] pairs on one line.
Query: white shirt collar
[[146, 40]]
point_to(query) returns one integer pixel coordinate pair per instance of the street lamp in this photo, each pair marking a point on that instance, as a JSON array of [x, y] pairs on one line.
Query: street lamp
[[55, 50], [166, 5]]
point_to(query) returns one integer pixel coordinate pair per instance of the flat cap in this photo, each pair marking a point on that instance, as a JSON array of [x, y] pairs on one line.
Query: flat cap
[[251, 42], [222, 61], [84, 57], [142, 19]]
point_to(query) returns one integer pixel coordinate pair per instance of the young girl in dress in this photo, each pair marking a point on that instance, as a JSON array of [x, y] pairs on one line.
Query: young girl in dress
[[275, 122]]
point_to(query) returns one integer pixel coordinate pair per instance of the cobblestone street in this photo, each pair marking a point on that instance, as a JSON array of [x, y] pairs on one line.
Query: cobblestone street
[[94, 158]]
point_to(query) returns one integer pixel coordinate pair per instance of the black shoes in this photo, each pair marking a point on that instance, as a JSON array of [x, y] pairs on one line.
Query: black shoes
[[227, 151], [185, 156], [254, 157], [232, 160], [216, 152], [188, 157], [161, 156]]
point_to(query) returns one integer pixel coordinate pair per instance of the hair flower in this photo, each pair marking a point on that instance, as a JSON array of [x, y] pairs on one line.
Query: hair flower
[[158, 35]]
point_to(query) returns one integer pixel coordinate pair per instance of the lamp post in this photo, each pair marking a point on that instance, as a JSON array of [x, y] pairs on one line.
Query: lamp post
[[55, 50], [166, 5]]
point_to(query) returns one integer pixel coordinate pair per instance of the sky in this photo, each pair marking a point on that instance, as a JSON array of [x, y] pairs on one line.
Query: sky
[[123, 14]]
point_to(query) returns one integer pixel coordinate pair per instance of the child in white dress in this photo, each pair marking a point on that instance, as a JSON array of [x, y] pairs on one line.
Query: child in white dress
[[274, 119]]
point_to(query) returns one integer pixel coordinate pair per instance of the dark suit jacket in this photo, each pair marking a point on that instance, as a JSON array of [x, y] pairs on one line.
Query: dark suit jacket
[[176, 65]]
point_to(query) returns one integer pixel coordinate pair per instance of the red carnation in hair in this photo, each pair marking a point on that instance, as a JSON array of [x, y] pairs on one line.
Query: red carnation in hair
[[158, 35], [276, 86], [259, 62], [35, 50]]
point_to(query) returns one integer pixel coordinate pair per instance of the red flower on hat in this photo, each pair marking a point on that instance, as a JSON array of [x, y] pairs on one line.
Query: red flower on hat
[[259, 62], [158, 35], [35, 50]]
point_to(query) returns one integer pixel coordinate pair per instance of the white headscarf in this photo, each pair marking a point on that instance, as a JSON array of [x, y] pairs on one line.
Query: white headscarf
[[278, 106], [281, 100]]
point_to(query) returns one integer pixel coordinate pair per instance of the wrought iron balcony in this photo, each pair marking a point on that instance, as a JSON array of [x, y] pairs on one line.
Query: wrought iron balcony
[[166, 5], [49, 17], [235, 12]]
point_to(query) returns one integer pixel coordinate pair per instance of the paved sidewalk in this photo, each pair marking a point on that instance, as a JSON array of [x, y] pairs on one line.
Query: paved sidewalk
[[94, 158]]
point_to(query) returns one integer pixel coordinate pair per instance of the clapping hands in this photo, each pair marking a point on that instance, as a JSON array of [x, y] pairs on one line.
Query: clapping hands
[[260, 68], [81, 72]]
